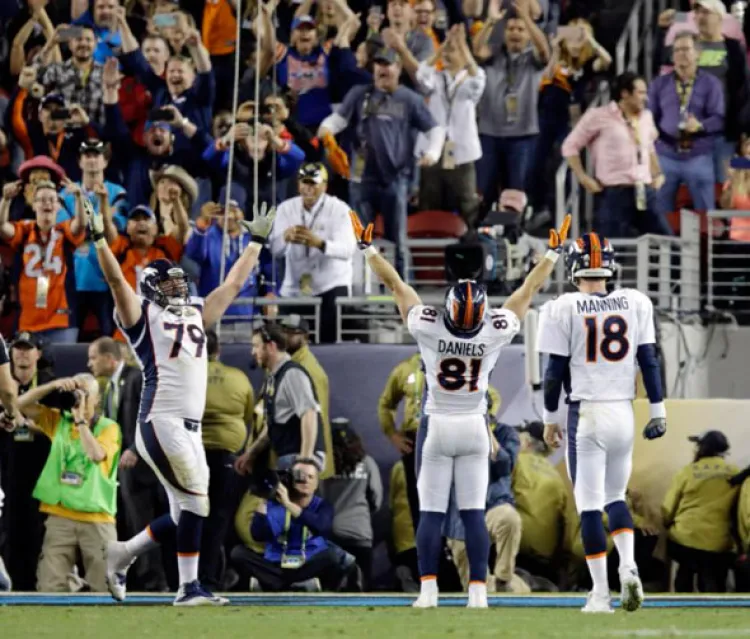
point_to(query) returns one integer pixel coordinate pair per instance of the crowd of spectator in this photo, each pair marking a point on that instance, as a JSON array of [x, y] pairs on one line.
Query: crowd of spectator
[[390, 108]]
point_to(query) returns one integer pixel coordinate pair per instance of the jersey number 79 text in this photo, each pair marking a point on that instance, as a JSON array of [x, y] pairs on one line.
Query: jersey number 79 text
[[196, 335]]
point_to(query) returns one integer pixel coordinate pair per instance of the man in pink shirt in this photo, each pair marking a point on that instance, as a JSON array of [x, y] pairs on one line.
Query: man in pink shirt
[[621, 136]]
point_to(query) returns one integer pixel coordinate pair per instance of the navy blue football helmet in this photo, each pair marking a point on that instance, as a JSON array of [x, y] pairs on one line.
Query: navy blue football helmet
[[591, 256], [465, 304], [164, 283]]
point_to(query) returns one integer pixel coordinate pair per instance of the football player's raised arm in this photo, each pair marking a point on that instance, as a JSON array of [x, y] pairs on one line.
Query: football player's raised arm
[[403, 294], [219, 299], [127, 303], [520, 301]]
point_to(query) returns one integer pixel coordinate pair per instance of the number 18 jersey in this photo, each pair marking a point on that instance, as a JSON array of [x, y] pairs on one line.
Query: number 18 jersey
[[601, 335], [457, 369]]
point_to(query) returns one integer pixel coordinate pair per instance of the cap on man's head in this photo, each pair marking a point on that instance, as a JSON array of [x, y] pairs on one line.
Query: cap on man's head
[[712, 440], [714, 6], [157, 124], [313, 172], [295, 324], [142, 210], [92, 145], [50, 99], [385, 56], [303, 21], [24, 339], [341, 428]]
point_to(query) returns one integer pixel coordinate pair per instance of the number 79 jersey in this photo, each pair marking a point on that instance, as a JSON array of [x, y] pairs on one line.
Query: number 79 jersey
[[457, 369], [601, 335], [170, 347]]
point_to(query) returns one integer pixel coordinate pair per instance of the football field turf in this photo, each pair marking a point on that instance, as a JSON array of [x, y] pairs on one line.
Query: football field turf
[[355, 617]]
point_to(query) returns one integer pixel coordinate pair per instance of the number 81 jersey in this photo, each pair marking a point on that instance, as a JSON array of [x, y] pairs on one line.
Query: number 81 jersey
[[457, 369], [601, 335], [170, 346]]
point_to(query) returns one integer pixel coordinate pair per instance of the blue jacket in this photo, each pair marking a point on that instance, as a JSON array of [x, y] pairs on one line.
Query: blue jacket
[[500, 490], [88, 273], [205, 248], [317, 518], [107, 42]]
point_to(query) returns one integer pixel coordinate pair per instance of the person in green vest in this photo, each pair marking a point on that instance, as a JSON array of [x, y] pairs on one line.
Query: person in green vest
[[77, 489], [297, 332]]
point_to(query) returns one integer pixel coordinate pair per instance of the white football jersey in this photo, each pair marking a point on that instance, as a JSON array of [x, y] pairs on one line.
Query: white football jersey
[[457, 370], [601, 335], [171, 351]]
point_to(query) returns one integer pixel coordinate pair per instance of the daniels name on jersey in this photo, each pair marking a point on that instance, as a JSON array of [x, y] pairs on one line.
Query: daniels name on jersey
[[601, 335], [170, 345], [457, 370]]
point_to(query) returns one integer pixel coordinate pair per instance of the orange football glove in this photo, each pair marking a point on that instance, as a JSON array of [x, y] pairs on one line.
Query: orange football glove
[[363, 235], [336, 156], [557, 238]]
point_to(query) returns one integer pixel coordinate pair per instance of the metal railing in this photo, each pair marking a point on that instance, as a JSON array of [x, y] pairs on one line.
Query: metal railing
[[728, 282], [238, 328]]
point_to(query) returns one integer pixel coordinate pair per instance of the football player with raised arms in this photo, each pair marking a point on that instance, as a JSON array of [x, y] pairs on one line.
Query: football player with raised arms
[[165, 328], [459, 344], [594, 339]]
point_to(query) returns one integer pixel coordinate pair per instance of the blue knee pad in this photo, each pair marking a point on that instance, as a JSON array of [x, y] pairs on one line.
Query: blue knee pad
[[592, 533], [619, 517], [429, 540]]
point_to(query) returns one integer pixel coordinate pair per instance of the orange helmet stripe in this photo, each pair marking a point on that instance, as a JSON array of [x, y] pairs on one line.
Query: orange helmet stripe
[[596, 251], [469, 310]]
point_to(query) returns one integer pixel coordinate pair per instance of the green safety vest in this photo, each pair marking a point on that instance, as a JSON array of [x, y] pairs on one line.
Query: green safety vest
[[70, 479]]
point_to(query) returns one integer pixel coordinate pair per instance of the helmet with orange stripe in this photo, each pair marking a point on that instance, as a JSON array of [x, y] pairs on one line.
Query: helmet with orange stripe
[[465, 304], [591, 257]]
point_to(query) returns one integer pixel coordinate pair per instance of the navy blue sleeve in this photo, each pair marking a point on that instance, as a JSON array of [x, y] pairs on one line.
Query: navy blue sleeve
[[558, 369], [260, 529], [319, 520], [649, 364]]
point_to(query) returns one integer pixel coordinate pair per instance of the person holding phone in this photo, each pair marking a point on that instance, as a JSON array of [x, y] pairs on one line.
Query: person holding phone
[[78, 79]]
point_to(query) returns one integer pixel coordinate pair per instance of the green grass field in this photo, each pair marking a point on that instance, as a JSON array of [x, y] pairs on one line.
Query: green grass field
[[258, 622]]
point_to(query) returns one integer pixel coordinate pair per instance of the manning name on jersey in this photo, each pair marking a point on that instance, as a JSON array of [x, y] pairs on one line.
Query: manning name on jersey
[[457, 370], [601, 335]]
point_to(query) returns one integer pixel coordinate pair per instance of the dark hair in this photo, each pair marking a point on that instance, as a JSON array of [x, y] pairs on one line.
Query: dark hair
[[272, 333], [624, 83], [108, 346], [347, 450], [212, 343]]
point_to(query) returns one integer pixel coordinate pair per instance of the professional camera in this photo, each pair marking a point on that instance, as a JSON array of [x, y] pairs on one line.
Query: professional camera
[[264, 483]]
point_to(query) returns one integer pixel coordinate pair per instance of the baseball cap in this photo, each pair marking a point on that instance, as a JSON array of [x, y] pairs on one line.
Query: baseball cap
[[24, 338], [303, 21], [385, 56], [295, 323], [341, 428], [713, 440], [534, 429], [714, 6], [141, 209], [313, 172], [159, 125], [91, 145], [52, 98]]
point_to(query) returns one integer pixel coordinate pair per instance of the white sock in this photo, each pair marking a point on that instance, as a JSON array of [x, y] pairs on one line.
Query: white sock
[[429, 586], [477, 588], [187, 566], [598, 569], [140, 543], [625, 544]]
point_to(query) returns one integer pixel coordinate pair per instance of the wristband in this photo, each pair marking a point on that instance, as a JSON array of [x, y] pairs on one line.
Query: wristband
[[551, 417], [370, 251], [100, 242], [552, 256], [658, 411]]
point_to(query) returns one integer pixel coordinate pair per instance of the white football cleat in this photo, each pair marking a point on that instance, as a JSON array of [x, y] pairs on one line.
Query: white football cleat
[[598, 603], [426, 600], [118, 562], [631, 595], [478, 598], [193, 594]]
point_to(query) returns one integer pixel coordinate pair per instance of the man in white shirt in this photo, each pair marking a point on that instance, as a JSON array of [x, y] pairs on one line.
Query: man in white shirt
[[313, 233]]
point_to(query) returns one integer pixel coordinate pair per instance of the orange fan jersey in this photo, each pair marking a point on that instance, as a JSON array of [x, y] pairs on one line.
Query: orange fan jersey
[[132, 260], [50, 257]]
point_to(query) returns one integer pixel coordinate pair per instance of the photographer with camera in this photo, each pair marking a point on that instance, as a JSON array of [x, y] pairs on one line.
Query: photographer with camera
[[294, 524], [78, 485]]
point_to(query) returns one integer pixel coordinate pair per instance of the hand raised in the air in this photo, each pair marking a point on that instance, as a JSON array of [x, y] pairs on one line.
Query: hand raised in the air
[[262, 222], [362, 234], [557, 238], [656, 427]]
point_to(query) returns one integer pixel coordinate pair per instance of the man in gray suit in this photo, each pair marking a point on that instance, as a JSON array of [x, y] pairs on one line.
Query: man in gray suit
[[142, 498]]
